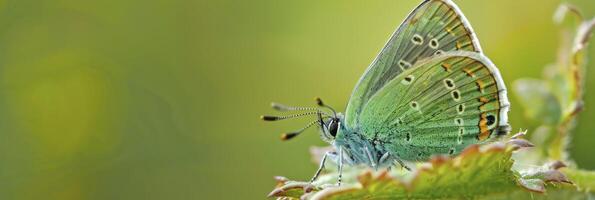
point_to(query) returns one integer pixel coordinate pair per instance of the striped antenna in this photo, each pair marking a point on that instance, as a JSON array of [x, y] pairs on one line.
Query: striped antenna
[[278, 118], [288, 136], [321, 115], [283, 108], [321, 104]]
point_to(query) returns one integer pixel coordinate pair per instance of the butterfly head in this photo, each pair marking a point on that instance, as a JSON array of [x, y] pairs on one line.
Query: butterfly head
[[329, 122], [330, 127]]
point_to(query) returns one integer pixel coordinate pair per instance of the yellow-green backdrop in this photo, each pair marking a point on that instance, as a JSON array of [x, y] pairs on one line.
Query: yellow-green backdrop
[[136, 99]]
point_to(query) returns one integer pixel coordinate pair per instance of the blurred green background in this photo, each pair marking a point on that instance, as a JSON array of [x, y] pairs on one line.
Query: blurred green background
[[140, 99]]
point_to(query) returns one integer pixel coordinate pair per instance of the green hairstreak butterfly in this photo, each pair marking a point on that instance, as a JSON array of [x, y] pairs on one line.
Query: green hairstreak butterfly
[[431, 90]]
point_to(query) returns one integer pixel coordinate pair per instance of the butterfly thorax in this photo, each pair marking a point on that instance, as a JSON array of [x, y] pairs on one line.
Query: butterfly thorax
[[357, 150]]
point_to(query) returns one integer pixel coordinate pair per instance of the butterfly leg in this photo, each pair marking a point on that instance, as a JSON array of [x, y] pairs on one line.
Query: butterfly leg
[[321, 166], [340, 166], [367, 152], [402, 164], [383, 159], [323, 162]]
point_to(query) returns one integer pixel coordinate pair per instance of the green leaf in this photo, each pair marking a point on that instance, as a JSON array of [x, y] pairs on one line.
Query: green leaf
[[478, 172]]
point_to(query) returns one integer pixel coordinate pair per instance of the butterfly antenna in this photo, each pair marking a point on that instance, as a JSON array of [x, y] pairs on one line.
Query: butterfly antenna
[[320, 120], [321, 104], [285, 108], [288, 136], [320, 115], [278, 118]]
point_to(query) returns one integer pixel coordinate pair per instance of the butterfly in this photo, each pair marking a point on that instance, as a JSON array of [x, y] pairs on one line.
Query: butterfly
[[430, 91]]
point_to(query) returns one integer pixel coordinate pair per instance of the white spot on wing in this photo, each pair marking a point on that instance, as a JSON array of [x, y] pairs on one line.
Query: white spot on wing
[[434, 44], [414, 105], [408, 79], [449, 83], [459, 122], [417, 39], [404, 65], [456, 95], [461, 108], [460, 136]]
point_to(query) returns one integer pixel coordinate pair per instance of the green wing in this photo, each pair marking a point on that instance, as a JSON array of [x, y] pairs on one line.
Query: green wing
[[440, 106], [434, 27]]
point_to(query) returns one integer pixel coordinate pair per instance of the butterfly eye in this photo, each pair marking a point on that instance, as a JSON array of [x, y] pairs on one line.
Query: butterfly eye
[[333, 127]]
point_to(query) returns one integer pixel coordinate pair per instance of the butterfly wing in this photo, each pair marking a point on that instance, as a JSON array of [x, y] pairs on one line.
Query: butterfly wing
[[440, 106], [434, 27]]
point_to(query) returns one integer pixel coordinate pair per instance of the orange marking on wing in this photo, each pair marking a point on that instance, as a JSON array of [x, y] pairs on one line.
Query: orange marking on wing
[[459, 46], [484, 132], [414, 20], [480, 85], [446, 66], [449, 30], [484, 101], [469, 72]]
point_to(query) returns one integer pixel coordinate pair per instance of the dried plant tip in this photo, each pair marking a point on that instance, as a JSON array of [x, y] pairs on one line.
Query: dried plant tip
[[520, 134], [546, 175], [308, 188], [281, 179], [563, 10], [519, 143], [555, 176], [583, 35], [288, 188], [556, 165]]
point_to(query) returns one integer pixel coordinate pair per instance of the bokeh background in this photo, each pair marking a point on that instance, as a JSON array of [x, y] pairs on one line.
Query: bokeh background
[[131, 99]]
